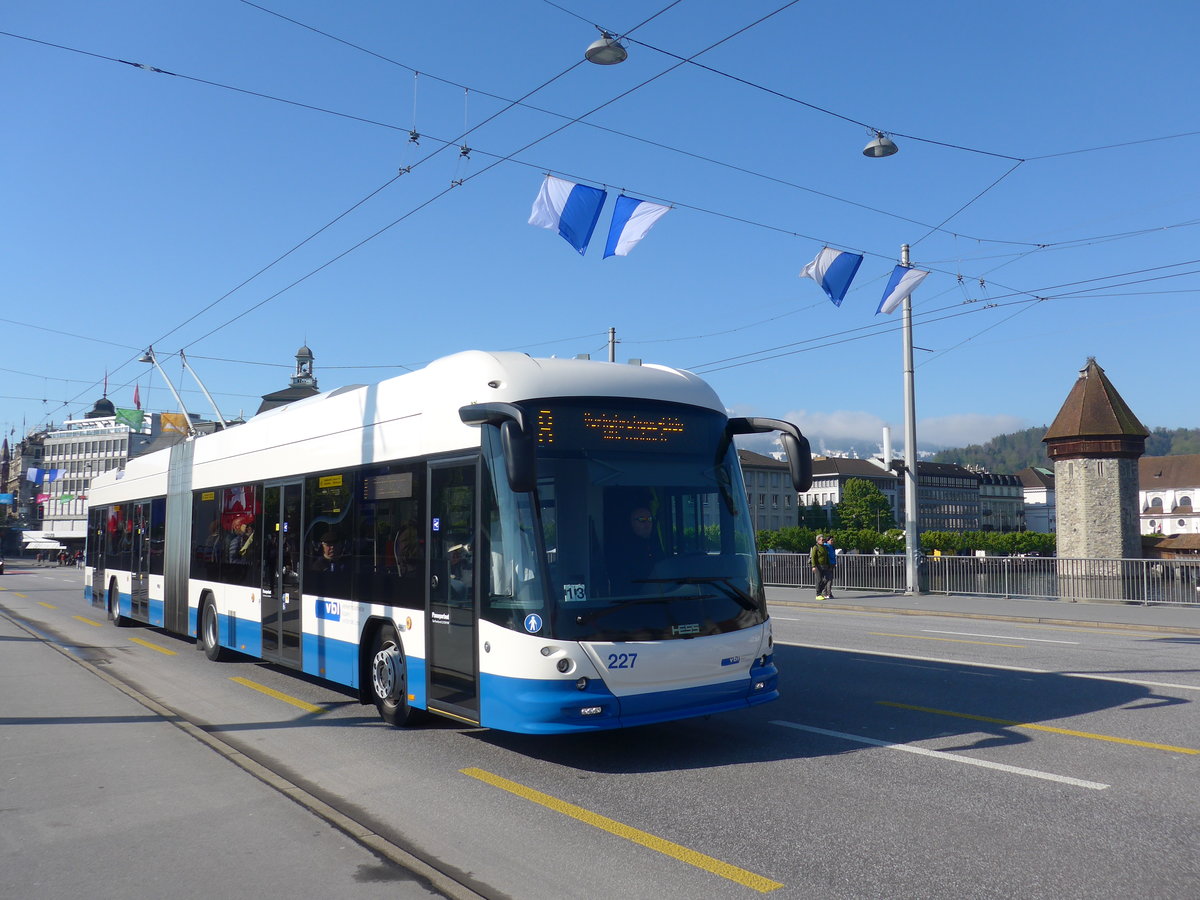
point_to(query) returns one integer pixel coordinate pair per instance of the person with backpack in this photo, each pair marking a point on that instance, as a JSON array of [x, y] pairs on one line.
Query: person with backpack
[[819, 557], [831, 551]]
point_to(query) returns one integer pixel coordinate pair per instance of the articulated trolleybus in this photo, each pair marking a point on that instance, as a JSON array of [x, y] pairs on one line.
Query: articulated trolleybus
[[534, 545]]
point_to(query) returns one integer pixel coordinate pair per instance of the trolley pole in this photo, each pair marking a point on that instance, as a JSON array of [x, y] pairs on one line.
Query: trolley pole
[[612, 345]]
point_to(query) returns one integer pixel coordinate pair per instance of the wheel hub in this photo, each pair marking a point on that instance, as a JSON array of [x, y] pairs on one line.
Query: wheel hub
[[385, 672]]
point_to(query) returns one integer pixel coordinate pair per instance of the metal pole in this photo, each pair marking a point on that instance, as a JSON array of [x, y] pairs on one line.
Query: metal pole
[[220, 418], [912, 536], [174, 393], [612, 345]]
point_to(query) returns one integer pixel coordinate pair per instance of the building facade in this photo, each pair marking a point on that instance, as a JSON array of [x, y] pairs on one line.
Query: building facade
[[1169, 491], [947, 497], [830, 474], [1001, 502], [1037, 483], [769, 491]]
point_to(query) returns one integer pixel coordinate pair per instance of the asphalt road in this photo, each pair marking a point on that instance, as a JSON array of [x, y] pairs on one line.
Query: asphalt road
[[911, 756]]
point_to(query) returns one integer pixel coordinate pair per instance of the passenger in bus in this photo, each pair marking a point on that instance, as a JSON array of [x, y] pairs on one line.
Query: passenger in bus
[[329, 558]]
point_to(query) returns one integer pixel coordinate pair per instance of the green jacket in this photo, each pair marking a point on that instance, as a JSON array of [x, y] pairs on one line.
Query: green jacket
[[819, 556]]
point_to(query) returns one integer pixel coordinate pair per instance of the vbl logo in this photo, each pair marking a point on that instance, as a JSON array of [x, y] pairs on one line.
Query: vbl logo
[[330, 610]]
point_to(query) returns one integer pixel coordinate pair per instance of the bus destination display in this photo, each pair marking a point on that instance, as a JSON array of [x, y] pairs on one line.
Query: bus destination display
[[608, 427]]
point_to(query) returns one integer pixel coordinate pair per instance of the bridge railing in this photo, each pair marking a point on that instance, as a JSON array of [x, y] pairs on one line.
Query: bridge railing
[[1145, 581]]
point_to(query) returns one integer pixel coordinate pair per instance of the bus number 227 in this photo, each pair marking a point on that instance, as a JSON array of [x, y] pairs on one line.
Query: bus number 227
[[621, 660]]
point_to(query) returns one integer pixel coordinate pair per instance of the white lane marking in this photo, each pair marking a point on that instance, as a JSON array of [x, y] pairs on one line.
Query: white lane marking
[[982, 665], [1009, 637], [951, 757]]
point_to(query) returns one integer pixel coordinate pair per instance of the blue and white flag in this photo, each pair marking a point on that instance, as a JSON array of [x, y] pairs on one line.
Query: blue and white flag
[[630, 222], [833, 270], [902, 283], [37, 476], [568, 208]]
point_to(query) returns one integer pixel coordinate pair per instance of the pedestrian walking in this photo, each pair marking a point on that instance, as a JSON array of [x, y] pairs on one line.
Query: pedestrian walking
[[831, 552], [819, 557]]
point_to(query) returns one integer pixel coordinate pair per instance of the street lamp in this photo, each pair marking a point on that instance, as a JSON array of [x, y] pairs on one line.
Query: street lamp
[[881, 146], [605, 51]]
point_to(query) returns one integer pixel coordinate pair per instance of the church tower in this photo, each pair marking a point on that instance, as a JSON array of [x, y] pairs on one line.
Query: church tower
[[301, 385], [1095, 443]]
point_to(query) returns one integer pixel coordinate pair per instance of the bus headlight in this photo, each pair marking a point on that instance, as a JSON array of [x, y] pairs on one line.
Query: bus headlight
[[565, 665], [582, 683]]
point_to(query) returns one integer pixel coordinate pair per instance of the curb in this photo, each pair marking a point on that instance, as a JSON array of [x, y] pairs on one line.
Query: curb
[[991, 617]]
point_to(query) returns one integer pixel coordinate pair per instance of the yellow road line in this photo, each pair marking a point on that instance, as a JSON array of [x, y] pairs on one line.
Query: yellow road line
[[1084, 734], [19, 594], [89, 621], [47, 605], [271, 692], [153, 646], [676, 851], [918, 637]]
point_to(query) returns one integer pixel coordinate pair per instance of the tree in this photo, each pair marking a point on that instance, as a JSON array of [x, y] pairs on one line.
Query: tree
[[864, 506], [814, 516]]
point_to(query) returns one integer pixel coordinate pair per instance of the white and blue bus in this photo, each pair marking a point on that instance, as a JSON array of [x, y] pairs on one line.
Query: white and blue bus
[[533, 545]]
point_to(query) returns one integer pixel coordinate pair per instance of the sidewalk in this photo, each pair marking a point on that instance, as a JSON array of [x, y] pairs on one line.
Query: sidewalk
[[106, 798], [1169, 619]]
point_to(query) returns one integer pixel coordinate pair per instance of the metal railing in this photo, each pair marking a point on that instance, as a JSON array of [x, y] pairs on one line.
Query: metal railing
[[1145, 581]]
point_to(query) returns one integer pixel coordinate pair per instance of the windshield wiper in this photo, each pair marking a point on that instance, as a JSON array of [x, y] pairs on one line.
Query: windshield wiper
[[732, 590]]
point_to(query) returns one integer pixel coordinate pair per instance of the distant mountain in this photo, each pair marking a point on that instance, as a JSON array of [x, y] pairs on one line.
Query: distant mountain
[[1008, 454]]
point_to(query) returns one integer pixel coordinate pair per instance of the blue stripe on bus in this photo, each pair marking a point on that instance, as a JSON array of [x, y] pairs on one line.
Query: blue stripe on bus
[[156, 613], [534, 706], [329, 658]]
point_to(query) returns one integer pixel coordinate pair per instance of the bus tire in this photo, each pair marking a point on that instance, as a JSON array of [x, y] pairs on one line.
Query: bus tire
[[389, 679], [210, 631], [114, 606]]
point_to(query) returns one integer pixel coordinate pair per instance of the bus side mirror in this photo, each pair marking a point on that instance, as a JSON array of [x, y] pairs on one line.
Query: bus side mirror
[[518, 457], [795, 444], [519, 462]]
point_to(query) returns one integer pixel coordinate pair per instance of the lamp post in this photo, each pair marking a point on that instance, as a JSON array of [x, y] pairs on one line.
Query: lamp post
[[911, 532]]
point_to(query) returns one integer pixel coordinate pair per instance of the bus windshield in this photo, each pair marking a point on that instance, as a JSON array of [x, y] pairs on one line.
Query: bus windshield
[[646, 534]]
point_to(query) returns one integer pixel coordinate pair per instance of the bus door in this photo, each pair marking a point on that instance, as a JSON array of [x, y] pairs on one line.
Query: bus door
[[139, 568], [95, 554], [280, 587], [452, 613]]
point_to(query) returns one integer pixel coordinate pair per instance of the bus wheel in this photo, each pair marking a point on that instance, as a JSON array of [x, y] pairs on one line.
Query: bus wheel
[[114, 607], [210, 632], [389, 679]]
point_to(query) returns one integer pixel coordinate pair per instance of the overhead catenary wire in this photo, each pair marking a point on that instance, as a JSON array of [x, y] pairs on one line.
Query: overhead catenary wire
[[151, 69], [574, 120]]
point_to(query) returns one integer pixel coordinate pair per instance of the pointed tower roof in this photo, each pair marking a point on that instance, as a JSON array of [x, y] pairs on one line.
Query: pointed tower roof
[[1094, 421]]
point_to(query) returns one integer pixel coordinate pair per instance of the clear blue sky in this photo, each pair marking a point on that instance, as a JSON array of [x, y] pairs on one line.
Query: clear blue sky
[[134, 201]]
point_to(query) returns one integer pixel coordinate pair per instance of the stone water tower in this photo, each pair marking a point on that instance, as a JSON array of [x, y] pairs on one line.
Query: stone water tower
[[1095, 443]]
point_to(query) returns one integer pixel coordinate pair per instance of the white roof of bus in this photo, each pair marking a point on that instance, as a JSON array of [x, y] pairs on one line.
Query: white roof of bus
[[360, 423]]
